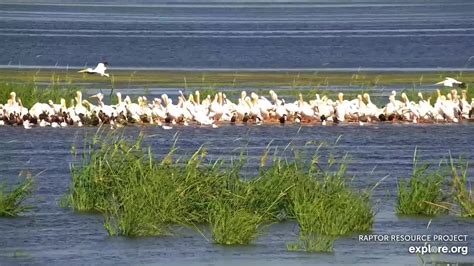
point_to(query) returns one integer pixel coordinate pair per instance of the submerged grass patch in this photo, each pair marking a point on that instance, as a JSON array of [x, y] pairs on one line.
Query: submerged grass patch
[[233, 225], [143, 196], [12, 199], [427, 192], [313, 243], [462, 192], [423, 193], [334, 212]]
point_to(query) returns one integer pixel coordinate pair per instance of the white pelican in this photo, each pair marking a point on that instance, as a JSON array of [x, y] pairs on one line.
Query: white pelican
[[340, 108], [99, 69], [39, 108], [424, 107], [133, 109], [410, 112], [325, 109], [216, 109], [305, 109], [106, 109], [12, 107], [265, 107], [450, 82], [362, 110], [274, 98], [372, 110], [79, 108], [465, 106], [446, 108], [120, 107], [254, 108], [157, 110], [173, 111]]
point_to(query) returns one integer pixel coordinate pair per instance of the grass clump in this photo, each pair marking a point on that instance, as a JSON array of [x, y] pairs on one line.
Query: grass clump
[[423, 193], [143, 196], [106, 166], [462, 194], [334, 211], [326, 208], [231, 225], [325, 205], [12, 200]]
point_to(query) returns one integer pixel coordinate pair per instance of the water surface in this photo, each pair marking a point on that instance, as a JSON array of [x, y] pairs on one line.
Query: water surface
[[53, 235], [237, 34]]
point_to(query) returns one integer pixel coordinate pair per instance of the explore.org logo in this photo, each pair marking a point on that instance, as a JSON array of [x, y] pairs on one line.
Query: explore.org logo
[[424, 243], [429, 249]]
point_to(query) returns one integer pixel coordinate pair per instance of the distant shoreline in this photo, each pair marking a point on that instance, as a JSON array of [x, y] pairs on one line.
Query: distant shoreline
[[211, 69]]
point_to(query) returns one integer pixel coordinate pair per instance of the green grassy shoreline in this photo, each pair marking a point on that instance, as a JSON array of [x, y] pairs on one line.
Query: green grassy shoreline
[[198, 79]]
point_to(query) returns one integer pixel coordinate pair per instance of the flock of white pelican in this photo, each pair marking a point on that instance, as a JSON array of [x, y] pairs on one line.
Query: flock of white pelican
[[216, 109]]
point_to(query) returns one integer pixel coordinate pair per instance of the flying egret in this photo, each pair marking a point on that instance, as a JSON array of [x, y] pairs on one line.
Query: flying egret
[[99, 69], [450, 82]]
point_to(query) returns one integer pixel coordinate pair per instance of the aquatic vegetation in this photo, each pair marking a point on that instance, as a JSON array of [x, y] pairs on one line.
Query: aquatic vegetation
[[462, 194], [195, 79], [96, 177], [335, 211], [12, 199], [427, 193], [231, 225], [423, 194], [142, 196], [30, 93], [122, 180], [21, 254]]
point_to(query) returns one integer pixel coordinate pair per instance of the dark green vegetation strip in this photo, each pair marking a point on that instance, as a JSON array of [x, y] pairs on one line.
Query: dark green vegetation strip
[[198, 79]]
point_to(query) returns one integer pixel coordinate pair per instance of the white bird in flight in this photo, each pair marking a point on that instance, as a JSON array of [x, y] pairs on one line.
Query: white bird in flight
[[450, 82], [99, 69]]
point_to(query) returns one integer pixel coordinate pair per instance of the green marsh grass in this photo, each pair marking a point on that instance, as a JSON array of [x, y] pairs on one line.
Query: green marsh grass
[[140, 195], [334, 210], [199, 79], [30, 93], [12, 199], [423, 193], [233, 225], [462, 192]]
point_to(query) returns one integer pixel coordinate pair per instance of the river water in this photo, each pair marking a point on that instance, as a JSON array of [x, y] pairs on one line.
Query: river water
[[238, 35], [53, 235], [347, 35]]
